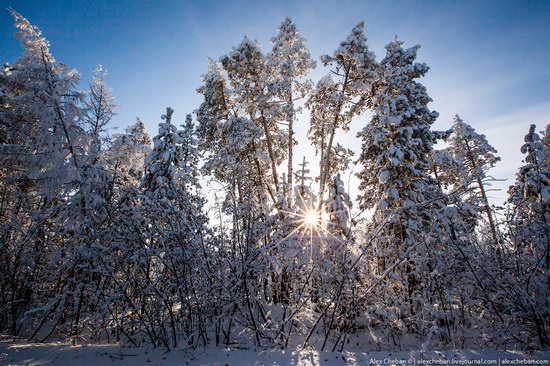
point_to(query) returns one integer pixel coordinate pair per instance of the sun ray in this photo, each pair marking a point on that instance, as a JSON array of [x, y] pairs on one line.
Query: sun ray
[[311, 218], [296, 229]]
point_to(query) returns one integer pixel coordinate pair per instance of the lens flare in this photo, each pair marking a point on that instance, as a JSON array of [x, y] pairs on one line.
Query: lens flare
[[311, 219]]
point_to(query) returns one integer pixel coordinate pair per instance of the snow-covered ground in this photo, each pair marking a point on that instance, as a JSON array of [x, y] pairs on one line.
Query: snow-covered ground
[[31, 354]]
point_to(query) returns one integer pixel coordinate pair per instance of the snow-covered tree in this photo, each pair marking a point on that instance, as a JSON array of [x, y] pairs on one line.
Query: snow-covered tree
[[546, 137], [230, 142], [322, 104], [533, 180], [99, 107], [289, 62], [169, 225], [396, 183], [530, 197], [249, 78], [338, 206], [41, 117], [304, 197], [248, 96], [163, 160], [41, 152], [90, 204], [398, 141], [170, 183], [125, 157], [446, 170], [333, 104], [475, 157], [107, 238], [233, 120], [520, 274]]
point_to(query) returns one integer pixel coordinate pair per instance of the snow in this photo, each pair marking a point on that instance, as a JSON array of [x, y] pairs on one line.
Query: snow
[[90, 250], [22, 353]]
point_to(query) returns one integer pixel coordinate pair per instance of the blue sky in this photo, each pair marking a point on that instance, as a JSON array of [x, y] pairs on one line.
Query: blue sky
[[489, 59]]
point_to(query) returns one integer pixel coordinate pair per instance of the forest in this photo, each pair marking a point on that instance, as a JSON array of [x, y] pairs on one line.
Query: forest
[[115, 237]]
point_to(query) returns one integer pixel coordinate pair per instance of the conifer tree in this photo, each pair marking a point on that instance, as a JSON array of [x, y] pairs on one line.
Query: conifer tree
[[338, 206], [334, 103], [230, 142], [304, 197], [99, 107], [125, 157], [42, 118], [447, 172], [170, 214], [524, 272], [395, 181], [546, 137], [163, 160], [249, 78], [43, 145], [398, 141], [531, 197], [289, 61], [96, 188], [475, 157], [106, 238]]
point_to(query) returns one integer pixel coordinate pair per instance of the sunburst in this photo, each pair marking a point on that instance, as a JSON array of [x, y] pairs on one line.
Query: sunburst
[[311, 219]]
